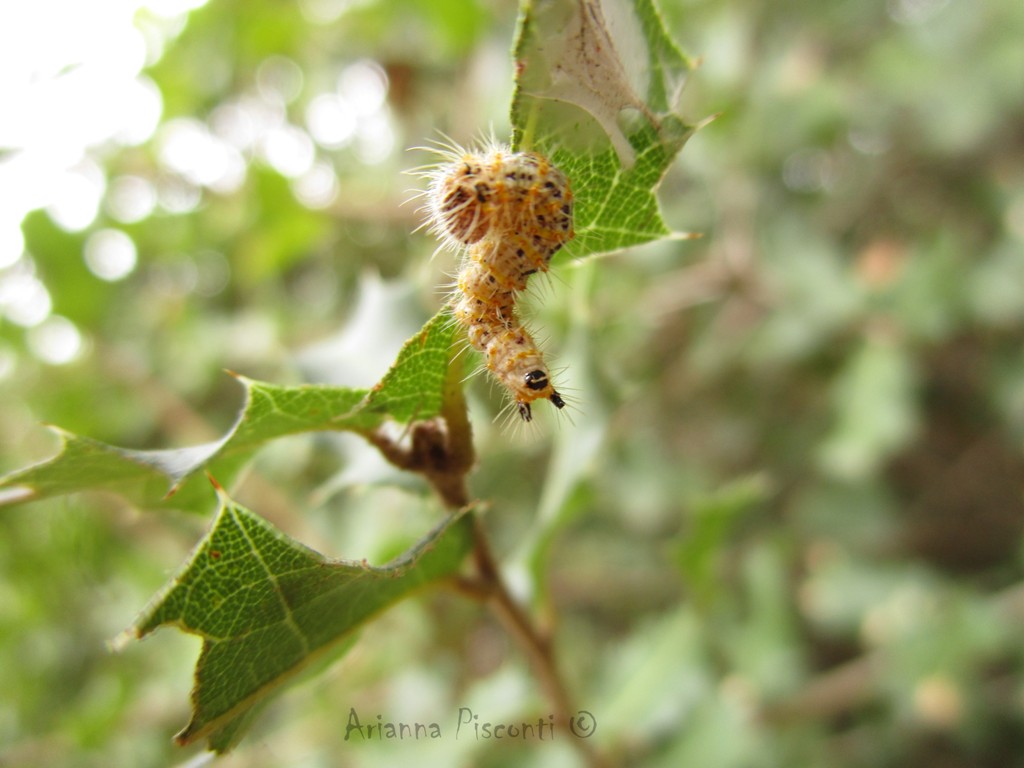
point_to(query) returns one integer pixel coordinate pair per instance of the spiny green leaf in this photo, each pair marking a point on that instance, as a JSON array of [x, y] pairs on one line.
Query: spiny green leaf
[[412, 389], [597, 88], [615, 208], [267, 607]]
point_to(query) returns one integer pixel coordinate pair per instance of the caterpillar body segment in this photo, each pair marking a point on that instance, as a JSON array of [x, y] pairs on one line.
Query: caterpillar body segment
[[476, 193], [513, 357]]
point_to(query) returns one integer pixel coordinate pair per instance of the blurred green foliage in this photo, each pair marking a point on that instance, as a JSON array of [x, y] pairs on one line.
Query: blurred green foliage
[[785, 527]]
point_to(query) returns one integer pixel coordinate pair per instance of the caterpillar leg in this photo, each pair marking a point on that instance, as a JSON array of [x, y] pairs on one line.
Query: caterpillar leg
[[525, 412]]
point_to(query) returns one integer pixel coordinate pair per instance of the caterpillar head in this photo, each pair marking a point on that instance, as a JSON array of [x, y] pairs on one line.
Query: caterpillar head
[[537, 382]]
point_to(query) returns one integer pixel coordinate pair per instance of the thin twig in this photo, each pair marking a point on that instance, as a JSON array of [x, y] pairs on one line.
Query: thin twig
[[442, 451], [535, 643]]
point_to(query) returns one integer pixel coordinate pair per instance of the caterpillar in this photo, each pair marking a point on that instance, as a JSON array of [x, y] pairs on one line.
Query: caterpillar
[[511, 213]]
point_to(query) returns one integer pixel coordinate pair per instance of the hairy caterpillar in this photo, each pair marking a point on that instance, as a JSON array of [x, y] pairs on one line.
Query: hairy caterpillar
[[511, 212]]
